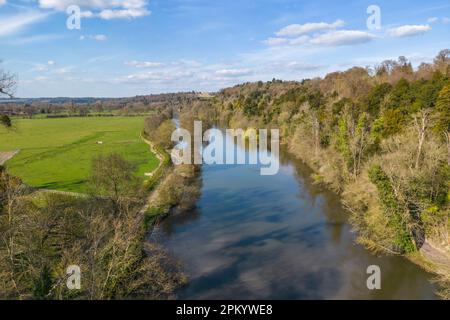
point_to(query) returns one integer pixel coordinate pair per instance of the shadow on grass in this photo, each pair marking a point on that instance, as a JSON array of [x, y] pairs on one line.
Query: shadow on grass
[[75, 185]]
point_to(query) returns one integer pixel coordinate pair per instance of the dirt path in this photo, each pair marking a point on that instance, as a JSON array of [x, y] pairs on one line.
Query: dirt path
[[7, 155], [155, 152], [438, 256], [155, 193]]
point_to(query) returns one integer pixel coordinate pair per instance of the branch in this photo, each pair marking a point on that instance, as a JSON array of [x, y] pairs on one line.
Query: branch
[[10, 95], [7, 83]]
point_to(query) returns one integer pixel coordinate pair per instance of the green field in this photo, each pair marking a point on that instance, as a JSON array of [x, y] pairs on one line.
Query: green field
[[56, 153]]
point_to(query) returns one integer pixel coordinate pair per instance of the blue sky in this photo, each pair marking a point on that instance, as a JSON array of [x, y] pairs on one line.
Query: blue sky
[[135, 47]]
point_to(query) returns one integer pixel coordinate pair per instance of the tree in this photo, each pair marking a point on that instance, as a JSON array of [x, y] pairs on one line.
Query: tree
[[38, 242], [376, 97], [353, 139], [7, 83], [113, 176], [442, 60], [397, 220], [162, 137], [443, 116], [11, 249], [421, 121], [5, 121]]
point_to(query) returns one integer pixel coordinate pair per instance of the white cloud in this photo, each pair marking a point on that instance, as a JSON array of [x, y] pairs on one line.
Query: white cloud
[[64, 70], [299, 40], [446, 20], [343, 38], [297, 34], [143, 64], [233, 72], [105, 9], [433, 20], [96, 37], [40, 68], [294, 66], [99, 37], [87, 14], [123, 14], [43, 67], [275, 41], [302, 29], [13, 24], [159, 76], [409, 30], [2, 2], [36, 39]]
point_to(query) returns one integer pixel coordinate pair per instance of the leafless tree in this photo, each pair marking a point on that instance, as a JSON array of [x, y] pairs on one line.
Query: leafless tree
[[421, 123], [8, 83]]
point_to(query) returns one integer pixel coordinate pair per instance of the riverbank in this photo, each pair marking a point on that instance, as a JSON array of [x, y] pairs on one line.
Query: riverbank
[[435, 259], [174, 189], [176, 193], [432, 256], [277, 237]]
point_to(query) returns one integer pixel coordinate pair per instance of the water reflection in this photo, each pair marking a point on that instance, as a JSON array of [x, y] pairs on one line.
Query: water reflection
[[277, 237]]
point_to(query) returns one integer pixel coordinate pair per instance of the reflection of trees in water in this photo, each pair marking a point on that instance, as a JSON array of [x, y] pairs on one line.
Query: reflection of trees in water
[[310, 192], [250, 238], [177, 219]]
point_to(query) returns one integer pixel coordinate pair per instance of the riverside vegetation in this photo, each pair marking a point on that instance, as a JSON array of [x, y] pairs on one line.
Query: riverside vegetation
[[103, 232], [380, 137]]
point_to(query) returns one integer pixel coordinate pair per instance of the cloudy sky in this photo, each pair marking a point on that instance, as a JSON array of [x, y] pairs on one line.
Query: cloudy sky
[[133, 47]]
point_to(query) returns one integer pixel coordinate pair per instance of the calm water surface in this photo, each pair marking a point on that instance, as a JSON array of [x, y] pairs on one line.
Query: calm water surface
[[278, 237]]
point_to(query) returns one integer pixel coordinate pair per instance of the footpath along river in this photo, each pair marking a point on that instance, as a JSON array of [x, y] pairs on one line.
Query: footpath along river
[[278, 237]]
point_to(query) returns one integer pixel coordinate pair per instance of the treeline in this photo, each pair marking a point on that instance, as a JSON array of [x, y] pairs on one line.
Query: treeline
[[84, 107], [379, 136]]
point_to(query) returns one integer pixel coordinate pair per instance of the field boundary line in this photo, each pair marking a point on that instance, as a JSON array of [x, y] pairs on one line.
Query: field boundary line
[[156, 153], [7, 155]]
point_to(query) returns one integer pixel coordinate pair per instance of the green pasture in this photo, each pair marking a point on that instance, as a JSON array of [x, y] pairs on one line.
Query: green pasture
[[57, 153]]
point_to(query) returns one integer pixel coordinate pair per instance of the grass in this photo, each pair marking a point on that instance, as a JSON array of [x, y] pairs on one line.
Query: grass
[[56, 153]]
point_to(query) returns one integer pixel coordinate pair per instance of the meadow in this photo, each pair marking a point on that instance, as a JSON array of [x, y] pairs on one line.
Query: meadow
[[57, 153]]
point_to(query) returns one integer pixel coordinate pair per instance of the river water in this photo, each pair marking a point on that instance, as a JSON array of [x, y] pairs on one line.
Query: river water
[[278, 237]]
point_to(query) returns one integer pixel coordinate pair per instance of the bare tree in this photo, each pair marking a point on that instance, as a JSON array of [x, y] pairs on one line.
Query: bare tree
[[442, 60], [8, 83], [443, 116], [421, 123]]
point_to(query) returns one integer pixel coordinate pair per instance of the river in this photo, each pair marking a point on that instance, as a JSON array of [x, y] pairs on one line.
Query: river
[[278, 237]]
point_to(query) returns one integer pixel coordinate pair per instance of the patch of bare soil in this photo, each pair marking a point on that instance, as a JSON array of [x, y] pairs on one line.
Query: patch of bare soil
[[7, 155], [438, 255]]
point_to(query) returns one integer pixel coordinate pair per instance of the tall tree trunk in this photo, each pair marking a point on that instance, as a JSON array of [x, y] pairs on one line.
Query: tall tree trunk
[[421, 124], [447, 137], [316, 128]]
